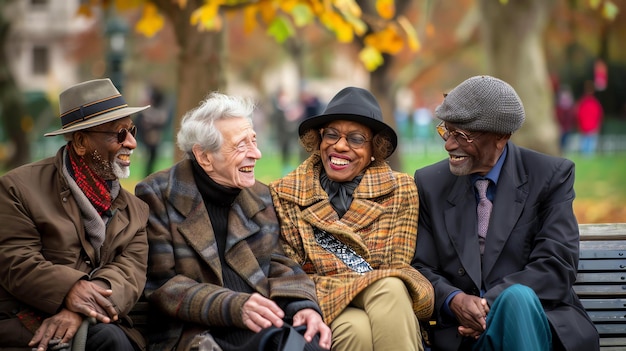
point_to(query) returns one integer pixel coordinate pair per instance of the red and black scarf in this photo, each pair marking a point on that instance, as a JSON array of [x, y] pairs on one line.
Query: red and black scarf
[[95, 188]]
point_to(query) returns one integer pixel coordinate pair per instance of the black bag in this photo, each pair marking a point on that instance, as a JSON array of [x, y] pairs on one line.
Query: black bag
[[287, 338]]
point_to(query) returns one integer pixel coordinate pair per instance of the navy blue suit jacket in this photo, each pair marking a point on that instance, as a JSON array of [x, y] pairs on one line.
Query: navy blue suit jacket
[[532, 240]]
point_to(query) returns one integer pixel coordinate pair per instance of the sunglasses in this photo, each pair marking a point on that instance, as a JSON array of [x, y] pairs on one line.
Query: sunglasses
[[122, 134]]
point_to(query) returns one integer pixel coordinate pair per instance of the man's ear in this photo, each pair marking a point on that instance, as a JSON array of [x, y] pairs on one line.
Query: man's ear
[[203, 158], [79, 143], [501, 140]]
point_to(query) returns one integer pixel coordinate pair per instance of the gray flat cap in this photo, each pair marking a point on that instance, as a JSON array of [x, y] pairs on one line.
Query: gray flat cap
[[483, 104]]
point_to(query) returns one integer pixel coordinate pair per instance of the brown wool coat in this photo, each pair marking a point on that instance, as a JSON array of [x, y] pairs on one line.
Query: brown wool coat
[[380, 225], [44, 250], [185, 273]]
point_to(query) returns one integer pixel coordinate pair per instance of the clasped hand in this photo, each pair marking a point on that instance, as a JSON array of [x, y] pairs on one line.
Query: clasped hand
[[259, 312], [85, 298], [471, 312]]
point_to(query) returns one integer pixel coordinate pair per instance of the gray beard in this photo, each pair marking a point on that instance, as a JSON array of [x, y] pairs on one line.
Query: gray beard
[[106, 169], [120, 172]]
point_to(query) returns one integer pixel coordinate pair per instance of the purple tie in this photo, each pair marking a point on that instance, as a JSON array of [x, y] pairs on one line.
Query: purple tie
[[483, 211]]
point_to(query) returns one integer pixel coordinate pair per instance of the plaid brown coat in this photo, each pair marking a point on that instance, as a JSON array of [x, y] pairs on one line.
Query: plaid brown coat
[[381, 226], [184, 270]]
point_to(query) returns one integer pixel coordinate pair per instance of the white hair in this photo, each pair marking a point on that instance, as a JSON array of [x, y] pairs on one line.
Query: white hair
[[198, 125]]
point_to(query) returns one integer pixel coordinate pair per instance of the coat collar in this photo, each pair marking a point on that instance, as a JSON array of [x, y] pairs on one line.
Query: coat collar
[[196, 226], [302, 187]]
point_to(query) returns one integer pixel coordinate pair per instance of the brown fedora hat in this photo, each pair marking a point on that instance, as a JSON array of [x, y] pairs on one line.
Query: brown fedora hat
[[352, 104], [90, 104]]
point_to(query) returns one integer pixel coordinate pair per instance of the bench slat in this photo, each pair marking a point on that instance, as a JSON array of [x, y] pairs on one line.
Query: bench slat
[[602, 265], [605, 231], [612, 341], [613, 329], [604, 304], [597, 253], [600, 290], [608, 317], [604, 277]]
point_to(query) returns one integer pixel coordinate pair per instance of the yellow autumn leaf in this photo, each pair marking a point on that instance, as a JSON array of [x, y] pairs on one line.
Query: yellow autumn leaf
[[371, 58], [302, 15], [124, 5], [411, 34], [357, 24], [249, 16], [150, 22], [206, 16], [288, 5], [317, 6], [386, 8], [336, 23], [84, 10], [594, 4], [387, 40], [610, 10], [348, 7], [267, 9]]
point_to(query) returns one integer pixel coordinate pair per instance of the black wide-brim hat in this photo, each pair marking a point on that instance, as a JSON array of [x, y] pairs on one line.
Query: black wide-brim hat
[[91, 103], [353, 104]]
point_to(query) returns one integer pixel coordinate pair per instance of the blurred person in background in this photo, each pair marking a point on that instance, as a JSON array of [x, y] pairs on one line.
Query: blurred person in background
[[590, 114], [152, 123], [565, 115]]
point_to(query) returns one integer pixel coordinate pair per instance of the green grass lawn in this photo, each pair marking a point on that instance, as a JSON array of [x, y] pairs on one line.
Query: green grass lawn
[[598, 178]]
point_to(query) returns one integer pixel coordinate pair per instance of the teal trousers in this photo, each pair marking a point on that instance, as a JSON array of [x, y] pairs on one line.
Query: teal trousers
[[516, 322]]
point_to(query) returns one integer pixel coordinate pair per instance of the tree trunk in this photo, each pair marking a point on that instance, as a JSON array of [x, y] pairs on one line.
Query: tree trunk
[[12, 109], [200, 63], [512, 34], [381, 82]]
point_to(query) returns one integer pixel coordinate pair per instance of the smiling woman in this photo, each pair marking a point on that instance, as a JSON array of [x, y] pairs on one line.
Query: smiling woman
[[351, 222]]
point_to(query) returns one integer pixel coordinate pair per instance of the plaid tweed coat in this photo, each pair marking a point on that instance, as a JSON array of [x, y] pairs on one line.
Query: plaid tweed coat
[[380, 225], [184, 270]]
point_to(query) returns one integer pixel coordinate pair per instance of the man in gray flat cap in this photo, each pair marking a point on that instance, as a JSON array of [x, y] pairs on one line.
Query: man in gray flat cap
[[498, 238], [73, 242]]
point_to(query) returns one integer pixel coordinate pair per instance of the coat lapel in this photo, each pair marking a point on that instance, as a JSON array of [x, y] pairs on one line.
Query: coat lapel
[[377, 182], [196, 226], [240, 227], [460, 221], [511, 195]]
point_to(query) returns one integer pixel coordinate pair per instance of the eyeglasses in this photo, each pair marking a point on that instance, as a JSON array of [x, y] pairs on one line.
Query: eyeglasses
[[122, 134], [355, 140], [444, 133]]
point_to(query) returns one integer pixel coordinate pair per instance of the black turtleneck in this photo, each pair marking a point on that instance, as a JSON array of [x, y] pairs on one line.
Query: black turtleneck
[[218, 200]]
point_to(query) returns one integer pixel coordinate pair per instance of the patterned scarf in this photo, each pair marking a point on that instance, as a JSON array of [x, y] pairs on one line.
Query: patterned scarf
[[92, 185], [339, 194]]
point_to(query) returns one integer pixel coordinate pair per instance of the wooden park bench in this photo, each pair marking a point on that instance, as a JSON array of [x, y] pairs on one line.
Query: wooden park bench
[[600, 285], [601, 281]]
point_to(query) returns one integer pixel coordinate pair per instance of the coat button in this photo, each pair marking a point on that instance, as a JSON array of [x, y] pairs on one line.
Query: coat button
[[461, 271]]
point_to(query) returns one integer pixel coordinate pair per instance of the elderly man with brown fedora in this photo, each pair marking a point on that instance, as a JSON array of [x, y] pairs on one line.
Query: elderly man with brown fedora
[[73, 242]]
